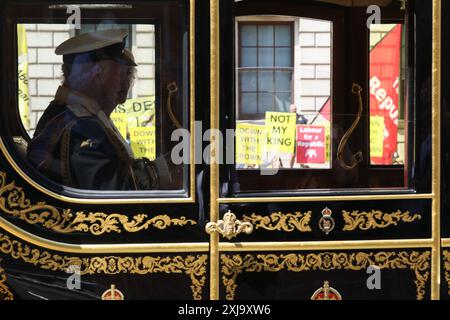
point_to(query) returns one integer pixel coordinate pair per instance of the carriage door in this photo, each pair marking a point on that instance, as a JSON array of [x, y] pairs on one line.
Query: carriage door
[[62, 242], [316, 180], [326, 192]]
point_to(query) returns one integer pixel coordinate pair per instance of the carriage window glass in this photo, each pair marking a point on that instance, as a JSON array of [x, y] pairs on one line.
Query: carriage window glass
[[98, 103], [387, 78], [283, 93], [40, 75]]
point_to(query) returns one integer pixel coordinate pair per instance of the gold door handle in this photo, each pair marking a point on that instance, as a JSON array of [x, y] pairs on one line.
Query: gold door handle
[[357, 157], [172, 88], [229, 227]]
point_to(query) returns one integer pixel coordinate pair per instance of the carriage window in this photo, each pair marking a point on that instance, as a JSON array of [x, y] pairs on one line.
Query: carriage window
[[40, 76], [387, 76], [98, 102], [284, 90], [320, 100]]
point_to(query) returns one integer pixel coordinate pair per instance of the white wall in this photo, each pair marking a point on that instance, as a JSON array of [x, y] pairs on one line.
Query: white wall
[[44, 66], [144, 54], [313, 61]]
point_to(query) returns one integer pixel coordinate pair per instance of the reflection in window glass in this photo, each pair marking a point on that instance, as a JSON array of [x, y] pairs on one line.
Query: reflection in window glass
[[40, 67], [283, 96], [105, 148], [387, 127]]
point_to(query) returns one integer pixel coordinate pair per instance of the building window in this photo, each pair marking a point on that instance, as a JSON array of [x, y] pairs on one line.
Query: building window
[[265, 68]]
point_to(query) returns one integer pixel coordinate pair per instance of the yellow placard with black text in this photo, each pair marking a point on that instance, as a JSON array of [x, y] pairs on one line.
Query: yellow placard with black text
[[143, 142], [376, 136], [135, 119], [140, 111], [250, 140], [120, 121], [280, 128]]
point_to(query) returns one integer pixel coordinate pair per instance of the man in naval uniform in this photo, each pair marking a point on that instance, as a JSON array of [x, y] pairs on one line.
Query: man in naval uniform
[[75, 142]]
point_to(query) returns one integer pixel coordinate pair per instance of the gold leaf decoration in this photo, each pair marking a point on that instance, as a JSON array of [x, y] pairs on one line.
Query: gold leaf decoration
[[446, 255], [5, 293], [193, 266], [233, 265], [98, 223], [14, 203], [376, 219], [281, 221]]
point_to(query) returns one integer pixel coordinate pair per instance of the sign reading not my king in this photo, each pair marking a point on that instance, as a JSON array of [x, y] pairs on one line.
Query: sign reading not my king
[[280, 128]]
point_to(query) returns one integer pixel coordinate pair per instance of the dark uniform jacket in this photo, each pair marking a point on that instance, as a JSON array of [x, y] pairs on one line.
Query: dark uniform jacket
[[77, 145]]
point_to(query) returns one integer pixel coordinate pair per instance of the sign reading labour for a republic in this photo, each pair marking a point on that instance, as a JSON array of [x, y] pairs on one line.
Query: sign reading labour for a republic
[[310, 144], [280, 128]]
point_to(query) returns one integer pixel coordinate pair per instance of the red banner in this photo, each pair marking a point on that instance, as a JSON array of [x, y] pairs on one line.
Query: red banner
[[384, 96], [310, 144]]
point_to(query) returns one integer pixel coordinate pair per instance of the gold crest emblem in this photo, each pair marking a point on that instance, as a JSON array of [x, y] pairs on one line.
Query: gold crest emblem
[[326, 223], [112, 294], [326, 293]]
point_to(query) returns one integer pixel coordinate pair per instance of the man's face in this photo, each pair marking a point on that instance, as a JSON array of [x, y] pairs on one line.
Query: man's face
[[126, 79], [112, 84]]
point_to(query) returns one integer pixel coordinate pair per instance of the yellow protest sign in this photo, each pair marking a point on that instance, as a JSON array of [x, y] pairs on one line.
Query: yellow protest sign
[[23, 95], [120, 121], [376, 136], [135, 120], [250, 140], [143, 142], [280, 128], [140, 111]]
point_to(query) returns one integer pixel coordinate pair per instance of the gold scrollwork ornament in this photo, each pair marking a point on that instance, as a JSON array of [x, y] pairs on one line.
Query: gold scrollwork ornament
[[13, 202], [229, 227], [326, 222], [236, 264], [5, 293], [281, 221], [194, 266], [446, 256], [376, 219]]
